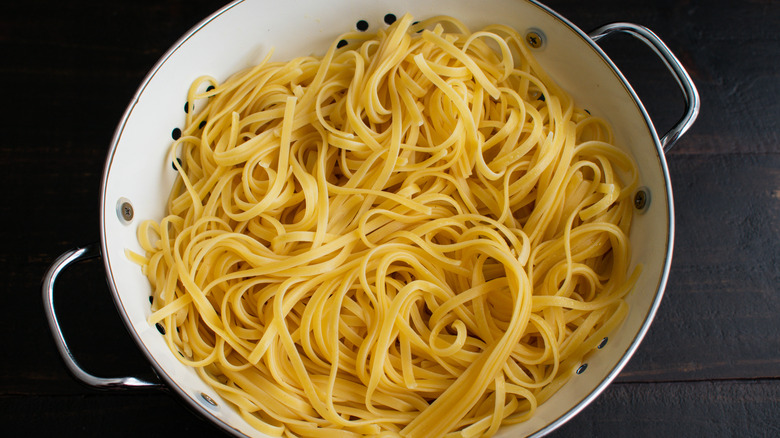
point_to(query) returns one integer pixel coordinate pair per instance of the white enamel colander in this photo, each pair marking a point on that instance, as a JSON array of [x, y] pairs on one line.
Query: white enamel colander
[[137, 179]]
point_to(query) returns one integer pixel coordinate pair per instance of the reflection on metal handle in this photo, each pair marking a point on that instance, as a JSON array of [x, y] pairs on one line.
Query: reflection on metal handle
[[672, 63], [88, 252]]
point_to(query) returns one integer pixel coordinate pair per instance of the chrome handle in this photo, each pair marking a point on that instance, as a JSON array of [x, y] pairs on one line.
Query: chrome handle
[[85, 253], [674, 66]]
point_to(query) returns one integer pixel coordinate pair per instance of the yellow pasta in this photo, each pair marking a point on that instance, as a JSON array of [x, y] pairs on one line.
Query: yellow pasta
[[416, 234]]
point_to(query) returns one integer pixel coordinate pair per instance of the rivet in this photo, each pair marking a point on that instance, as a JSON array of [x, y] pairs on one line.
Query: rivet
[[602, 343], [641, 199], [582, 368], [127, 211], [124, 211], [208, 399], [535, 39]]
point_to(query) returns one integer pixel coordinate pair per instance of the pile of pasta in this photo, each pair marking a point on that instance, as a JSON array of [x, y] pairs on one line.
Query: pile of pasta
[[416, 234]]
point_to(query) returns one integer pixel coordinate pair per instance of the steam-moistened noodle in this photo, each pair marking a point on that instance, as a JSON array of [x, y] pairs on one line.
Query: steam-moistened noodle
[[417, 233]]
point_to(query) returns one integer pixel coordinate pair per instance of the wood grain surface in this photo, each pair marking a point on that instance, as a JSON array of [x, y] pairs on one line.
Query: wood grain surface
[[710, 365]]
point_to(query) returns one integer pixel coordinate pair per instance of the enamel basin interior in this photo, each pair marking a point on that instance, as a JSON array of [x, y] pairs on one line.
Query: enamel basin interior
[[240, 35]]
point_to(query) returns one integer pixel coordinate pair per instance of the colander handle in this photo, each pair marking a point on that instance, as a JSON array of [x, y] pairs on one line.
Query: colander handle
[[690, 93], [85, 253]]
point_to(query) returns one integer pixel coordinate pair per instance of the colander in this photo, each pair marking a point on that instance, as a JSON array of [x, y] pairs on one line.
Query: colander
[[137, 180]]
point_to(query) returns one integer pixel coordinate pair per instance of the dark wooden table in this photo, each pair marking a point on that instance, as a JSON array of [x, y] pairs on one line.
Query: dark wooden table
[[710, 365]]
